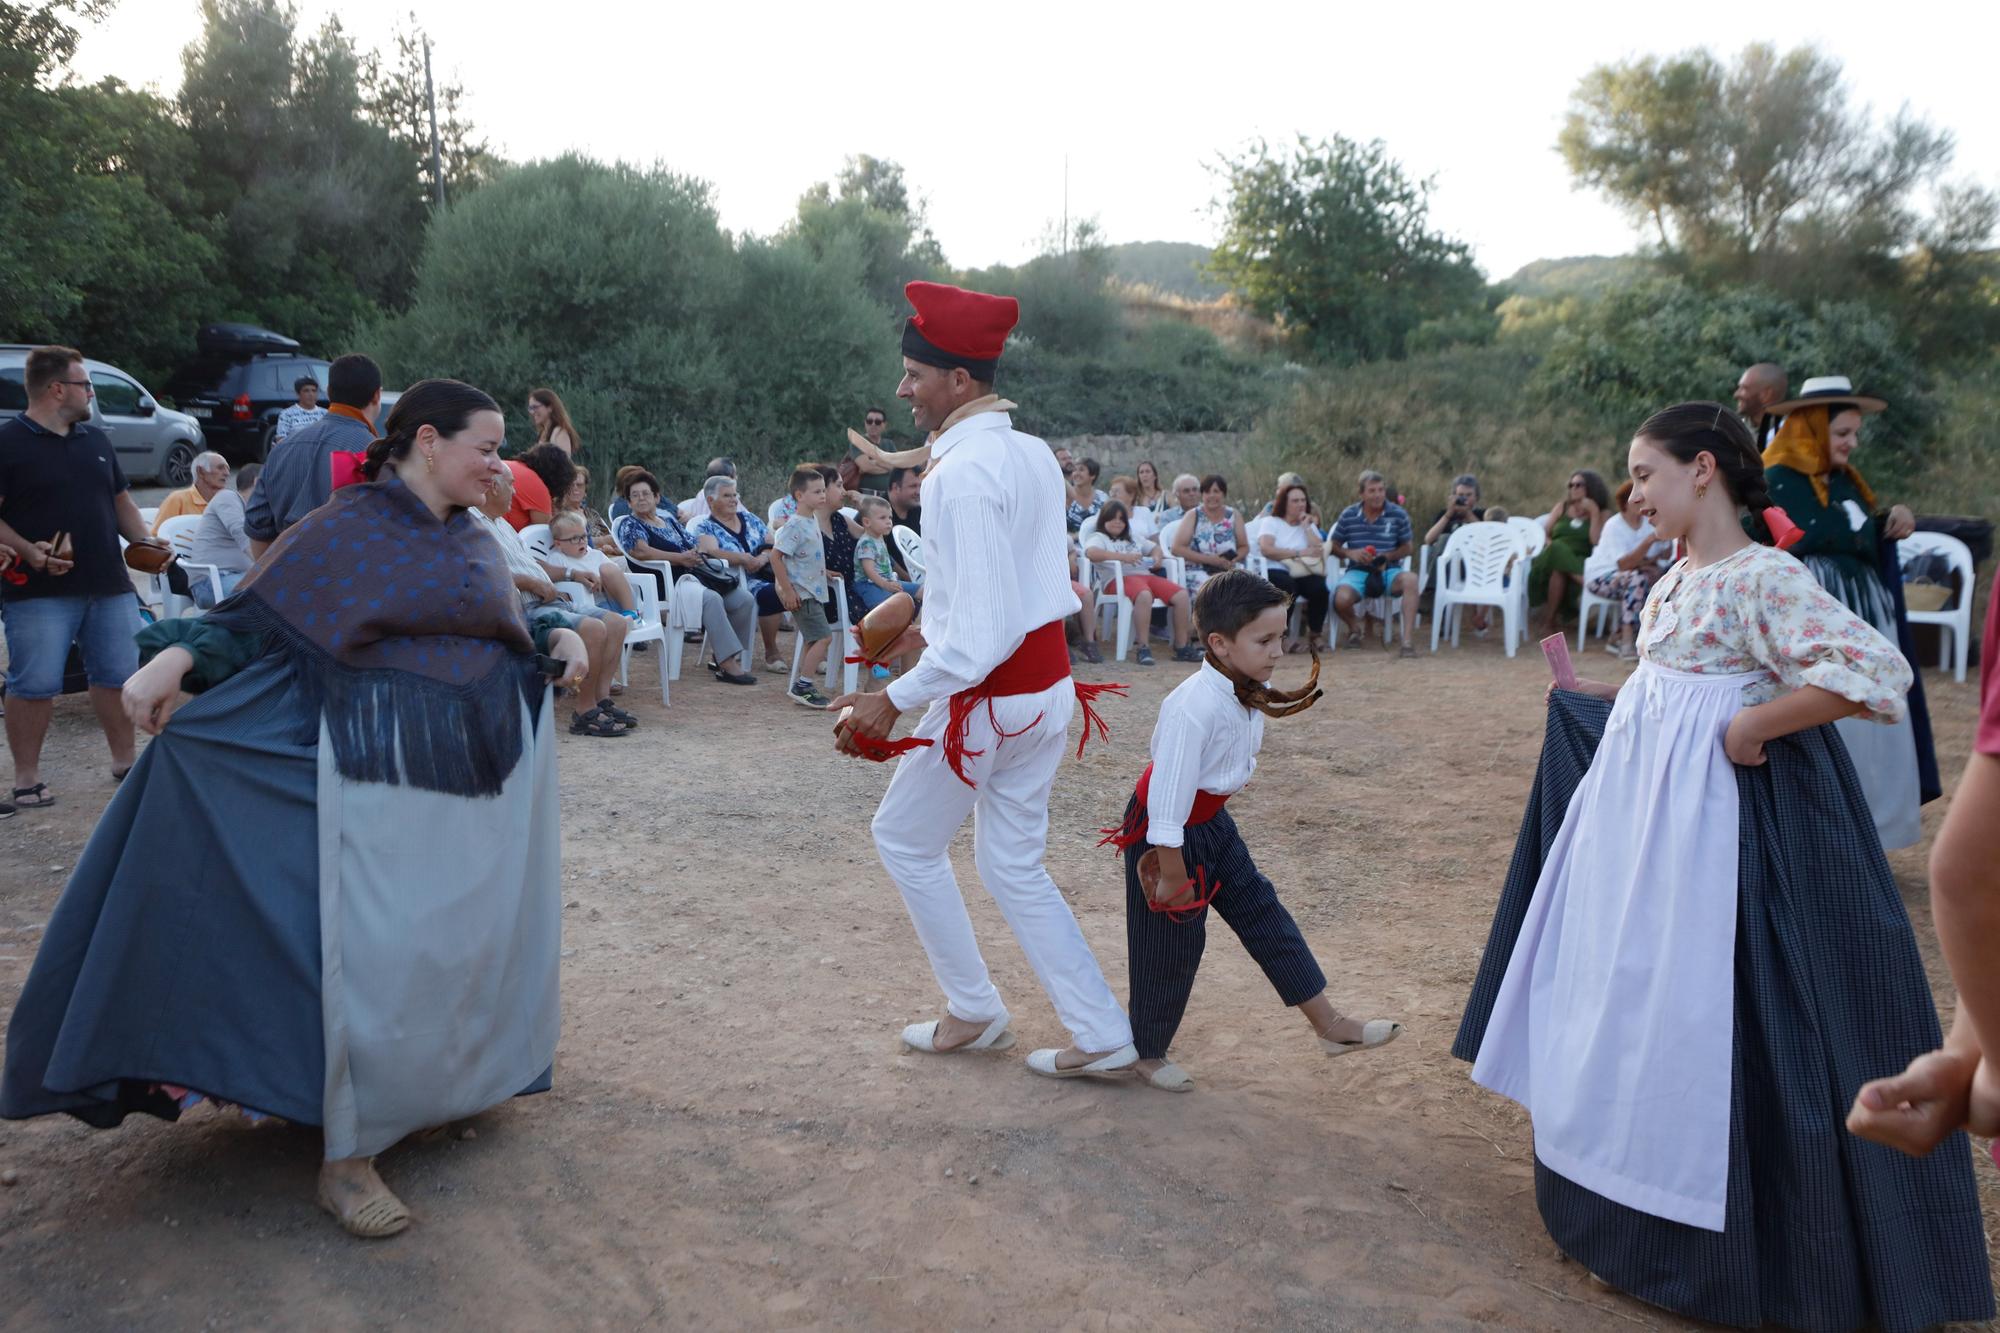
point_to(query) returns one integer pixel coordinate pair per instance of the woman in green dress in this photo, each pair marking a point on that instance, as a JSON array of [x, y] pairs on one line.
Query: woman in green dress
[[1573, 525], [1811, 477]]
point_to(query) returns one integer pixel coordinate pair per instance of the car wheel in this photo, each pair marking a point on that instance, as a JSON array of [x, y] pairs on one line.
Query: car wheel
[[177, 468]]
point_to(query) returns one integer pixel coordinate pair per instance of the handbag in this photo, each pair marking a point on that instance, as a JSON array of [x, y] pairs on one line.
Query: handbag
[[1306, 567], [715, 575]]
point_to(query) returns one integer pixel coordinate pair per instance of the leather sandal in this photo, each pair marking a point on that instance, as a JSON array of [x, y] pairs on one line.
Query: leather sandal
[[36, 797]]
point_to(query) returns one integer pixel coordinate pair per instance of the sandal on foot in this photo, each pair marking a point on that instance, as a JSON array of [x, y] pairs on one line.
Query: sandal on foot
[[1375, 1032], [923, 1037], [1169, 1078], [1409, 650], [378, 1216], [33, 798], [594, 723], [616, 714], [1354, 639], [1118, 1064]]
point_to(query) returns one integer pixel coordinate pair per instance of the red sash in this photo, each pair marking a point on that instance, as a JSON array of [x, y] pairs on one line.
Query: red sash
[[1040, 661], [1207, 805]]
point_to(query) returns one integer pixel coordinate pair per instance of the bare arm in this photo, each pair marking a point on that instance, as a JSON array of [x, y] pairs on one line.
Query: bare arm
[[1807, 706]]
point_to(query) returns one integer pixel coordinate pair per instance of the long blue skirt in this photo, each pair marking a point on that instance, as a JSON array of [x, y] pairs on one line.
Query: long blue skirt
[[186, 947], [1822, 1230]]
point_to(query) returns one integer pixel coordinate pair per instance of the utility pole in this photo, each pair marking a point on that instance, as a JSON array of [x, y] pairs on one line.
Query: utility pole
[[430, 97]]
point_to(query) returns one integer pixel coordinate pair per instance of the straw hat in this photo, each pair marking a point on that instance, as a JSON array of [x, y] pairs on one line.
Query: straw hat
[[1824, 389]]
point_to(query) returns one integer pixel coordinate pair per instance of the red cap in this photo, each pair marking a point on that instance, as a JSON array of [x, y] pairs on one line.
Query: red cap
[[953, 327]]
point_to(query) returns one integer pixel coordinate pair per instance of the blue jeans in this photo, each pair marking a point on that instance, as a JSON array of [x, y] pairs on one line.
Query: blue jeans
[[203, 591], [871, 595], [41, 629]]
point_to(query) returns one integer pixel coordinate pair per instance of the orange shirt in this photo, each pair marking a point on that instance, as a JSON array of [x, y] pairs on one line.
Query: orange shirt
[[529, 494], [180, 503]]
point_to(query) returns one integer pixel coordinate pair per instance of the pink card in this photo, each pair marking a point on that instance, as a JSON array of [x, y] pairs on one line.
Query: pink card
[[1556, 649]]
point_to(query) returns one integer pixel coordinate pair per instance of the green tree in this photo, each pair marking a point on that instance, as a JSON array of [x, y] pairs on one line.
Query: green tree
[[393, 97], [1333, 240], [869, 207]]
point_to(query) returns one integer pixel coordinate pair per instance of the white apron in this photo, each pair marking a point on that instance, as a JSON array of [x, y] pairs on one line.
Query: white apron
[[1614, 1025]]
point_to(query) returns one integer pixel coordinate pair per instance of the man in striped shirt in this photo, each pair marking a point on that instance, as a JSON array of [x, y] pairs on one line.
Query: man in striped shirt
[[1373, 536]]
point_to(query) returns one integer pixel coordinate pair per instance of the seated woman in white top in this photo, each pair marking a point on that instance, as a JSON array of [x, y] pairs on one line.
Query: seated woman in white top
[[1623, 567], [1110, 545], [1145, 523], [1296, 551], [571, 552]]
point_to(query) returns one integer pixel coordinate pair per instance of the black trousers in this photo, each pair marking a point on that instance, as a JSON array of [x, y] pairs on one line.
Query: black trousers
[[1310, 590], [1165, 953]]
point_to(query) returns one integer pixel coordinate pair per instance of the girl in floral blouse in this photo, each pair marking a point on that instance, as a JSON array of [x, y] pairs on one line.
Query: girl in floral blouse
[[1691, 976]]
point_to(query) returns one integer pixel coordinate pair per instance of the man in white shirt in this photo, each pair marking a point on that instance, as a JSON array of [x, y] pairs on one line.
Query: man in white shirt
[[302, 413], [994, 682]]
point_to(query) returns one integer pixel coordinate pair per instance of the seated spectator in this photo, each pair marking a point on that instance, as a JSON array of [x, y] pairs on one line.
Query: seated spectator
[[1286, 480], [576, 561], [532, 502], [695, 508], [1145, 524], [1082, 498], [1463, 509], [798, 571], [905, 510], [211, 478], [1111, 545], [1210, 536], [1495, 514], [784, 508], [219, 540], [1095, 469], [621, 479], [1573, 524], [1185, 496], [1375, 538], [875, 578], [596, 528], [1295, 549], [653, 531], [1623, 568], [740, 538], [301, 413], [551, 466], [602, 632], [1151, 495], [839, 535], [1085, 619]]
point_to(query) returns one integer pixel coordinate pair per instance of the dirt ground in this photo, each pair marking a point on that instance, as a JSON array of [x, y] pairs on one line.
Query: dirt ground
[[735, 1139]]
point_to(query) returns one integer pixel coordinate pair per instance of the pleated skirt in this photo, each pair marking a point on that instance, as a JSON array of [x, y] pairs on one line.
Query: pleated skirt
[[1822, 1230]]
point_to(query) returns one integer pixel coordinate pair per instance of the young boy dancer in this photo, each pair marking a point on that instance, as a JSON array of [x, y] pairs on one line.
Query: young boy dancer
[[1204, 750]]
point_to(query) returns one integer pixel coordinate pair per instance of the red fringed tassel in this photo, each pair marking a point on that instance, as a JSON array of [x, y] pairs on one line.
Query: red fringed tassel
[[1128, 834], [1204, 894], [881, 750], [1086, 694], [862, 659]]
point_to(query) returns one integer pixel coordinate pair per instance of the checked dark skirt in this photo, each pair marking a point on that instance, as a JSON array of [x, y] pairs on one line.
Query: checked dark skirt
[[1822, 1230]]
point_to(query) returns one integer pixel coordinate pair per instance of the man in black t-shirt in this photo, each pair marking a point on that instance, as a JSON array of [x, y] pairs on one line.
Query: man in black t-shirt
[[906, 485], [64, 504]]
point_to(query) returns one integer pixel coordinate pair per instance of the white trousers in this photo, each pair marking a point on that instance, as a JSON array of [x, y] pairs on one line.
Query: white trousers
[[921, 812]]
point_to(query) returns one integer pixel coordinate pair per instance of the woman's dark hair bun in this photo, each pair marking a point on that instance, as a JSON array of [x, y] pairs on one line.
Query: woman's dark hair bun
[[443, 405], [1686, 430]]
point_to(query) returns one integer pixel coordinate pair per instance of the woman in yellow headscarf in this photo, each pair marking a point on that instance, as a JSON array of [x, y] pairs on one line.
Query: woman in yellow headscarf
[[1808, 467]]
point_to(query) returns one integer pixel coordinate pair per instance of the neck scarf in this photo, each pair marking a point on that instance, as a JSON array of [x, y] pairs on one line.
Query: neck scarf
[[921, 455], [353, 414], [1260, 696], [405, 634], [1804, 444]]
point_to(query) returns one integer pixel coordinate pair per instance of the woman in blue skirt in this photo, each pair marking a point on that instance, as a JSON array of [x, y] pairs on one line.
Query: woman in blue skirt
[[329, 891], [1700, 956]]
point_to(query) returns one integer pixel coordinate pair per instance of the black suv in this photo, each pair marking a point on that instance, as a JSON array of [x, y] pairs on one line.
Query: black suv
[[239, 381]]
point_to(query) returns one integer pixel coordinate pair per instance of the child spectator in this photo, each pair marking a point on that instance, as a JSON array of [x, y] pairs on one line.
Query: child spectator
[[798, 568], [570, 551], [1111, 545], [874, 571]]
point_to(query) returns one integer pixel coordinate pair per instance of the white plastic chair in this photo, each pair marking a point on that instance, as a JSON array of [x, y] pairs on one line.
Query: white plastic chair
[[178, 532], [1603, 606], [1473, 571], [147, 516], [1957, 619], [911, 547], [1107, 578], [682, 611], [648, 628], [1532, 534]]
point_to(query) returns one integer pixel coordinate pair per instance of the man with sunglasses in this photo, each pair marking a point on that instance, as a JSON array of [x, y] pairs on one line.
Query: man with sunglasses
[[64, 503], [873, 422]]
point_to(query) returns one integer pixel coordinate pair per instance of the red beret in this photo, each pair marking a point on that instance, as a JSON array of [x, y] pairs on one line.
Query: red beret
[[954, 327]]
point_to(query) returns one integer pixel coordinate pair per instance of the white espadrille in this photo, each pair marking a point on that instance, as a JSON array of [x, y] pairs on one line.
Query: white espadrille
[[923, 1037], [1118, 1064], [1375, 1032]]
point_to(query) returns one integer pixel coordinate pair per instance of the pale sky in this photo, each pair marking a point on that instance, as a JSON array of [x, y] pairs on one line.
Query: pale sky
[[763, 99]]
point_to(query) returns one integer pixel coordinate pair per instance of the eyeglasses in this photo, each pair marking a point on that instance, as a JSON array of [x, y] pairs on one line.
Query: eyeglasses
[[1576, 485], [573, 537], [84, 385]]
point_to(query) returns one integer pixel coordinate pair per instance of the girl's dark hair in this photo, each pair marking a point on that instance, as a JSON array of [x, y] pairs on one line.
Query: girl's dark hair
[[558, 418], [1231, 600], [1214, 479], [1114, 509], [1687, 430], [553, 466], [1594, 487], [443, 405], [631, 476]]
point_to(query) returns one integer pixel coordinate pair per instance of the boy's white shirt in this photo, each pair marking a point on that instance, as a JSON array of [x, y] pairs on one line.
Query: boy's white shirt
[[1204, 741]]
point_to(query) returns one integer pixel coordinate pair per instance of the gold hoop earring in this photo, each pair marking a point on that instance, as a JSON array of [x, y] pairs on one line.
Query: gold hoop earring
[[1701, 491]]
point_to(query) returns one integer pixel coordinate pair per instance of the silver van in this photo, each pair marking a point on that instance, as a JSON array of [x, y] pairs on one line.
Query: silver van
[[154, 443]]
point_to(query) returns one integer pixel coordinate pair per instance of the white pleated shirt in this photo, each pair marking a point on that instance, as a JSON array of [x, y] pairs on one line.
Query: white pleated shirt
[[996, 555], [1204, 741]]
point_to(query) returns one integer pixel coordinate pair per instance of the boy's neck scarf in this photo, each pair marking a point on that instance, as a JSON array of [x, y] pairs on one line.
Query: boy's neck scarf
[[1260, 696], [406, 635], [352, 414], [1804, 444]]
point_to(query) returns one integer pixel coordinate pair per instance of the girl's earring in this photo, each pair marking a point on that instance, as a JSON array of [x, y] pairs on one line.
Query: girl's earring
[[1701, 491], [430, 462]]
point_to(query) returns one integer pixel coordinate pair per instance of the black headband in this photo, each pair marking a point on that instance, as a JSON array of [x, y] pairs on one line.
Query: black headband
[[921, 349]]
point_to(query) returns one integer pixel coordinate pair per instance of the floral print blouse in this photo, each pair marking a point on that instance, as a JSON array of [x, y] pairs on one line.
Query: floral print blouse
[[1760, 609]]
